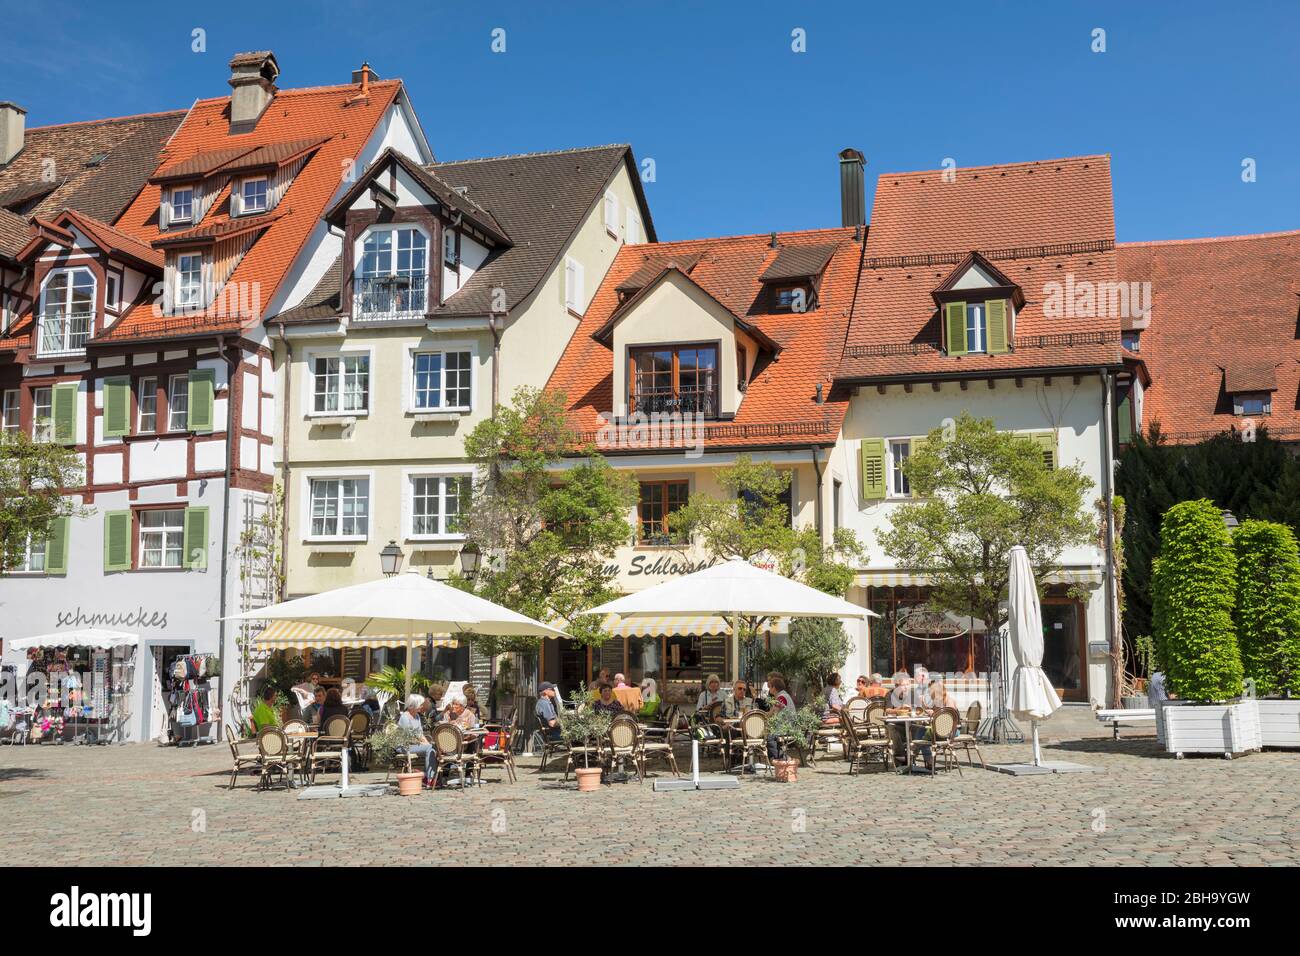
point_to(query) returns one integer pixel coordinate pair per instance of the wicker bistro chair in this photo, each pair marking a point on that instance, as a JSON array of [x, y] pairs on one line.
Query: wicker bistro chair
[[449, 741], [626, 742], [965, 739], [501, 751], [857, 707], [274, 755], [358, 737], [942, 729], [295, 726], [657, 744], [551, 747], [244, 760], [327, 749], [716, 742], [862, 745], [752, 738]]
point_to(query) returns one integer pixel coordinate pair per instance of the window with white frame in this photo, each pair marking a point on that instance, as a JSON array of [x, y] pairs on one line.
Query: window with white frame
[[340, 507], [147, 402], [611, 214], [899, 451], [189, 280], [67, 306], [393, 273], [42, 414], [449, 256], [162, 538], [181, 203], [442, 381], [12, 410], [111, 292], [341, 383], [437, 504], [29, 556], [178, 403], [574, 286], [976, 327], [252, 195]]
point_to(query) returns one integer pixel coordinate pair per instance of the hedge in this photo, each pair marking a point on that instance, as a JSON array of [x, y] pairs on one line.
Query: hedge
[[1268, 605]]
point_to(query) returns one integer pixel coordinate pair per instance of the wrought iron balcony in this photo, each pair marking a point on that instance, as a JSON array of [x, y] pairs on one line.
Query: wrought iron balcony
[[63, 332], [390, 297], [685, 402]]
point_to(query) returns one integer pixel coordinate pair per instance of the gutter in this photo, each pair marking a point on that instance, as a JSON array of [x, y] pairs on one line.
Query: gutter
[[821, 474], [284, 462], [225, 519], [1107, 480]]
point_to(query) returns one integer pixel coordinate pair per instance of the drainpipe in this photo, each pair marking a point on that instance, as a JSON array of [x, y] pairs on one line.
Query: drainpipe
[[1113, 634], [231, 370], [284, 461], [496, 328], [821, 474]]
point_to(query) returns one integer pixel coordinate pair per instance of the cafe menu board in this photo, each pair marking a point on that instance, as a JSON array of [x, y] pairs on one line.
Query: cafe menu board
[[353, 664], [713, 656]]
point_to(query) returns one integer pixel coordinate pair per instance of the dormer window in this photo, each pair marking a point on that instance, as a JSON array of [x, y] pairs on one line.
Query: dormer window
[[181, 205], [1252, 403], [977, 308], [189, 281], [252, 196], [976, 326], [393, 274], [67, 310], [792, 297], [675, 379]]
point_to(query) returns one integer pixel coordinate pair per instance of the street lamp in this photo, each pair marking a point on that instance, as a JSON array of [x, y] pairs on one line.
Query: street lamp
[[390, 559], [1230, 520], [469, 559]]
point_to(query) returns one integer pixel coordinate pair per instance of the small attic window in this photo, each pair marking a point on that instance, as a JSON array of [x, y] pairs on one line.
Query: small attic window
[[96, 161], [791, 297], [1252, 403]]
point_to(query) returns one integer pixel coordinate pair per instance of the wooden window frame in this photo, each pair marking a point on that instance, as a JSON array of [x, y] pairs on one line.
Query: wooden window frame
[[663, 484], [675, 375]]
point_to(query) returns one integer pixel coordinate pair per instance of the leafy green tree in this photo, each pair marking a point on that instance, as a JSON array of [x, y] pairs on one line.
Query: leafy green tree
[[33, 479], [1268, 605], [817, 648], [548, 533], [1194, 582], [978, 493], [751, 520]]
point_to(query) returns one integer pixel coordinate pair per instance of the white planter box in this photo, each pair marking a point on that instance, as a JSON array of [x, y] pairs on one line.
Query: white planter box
[[1279, 722], [1227, 729]]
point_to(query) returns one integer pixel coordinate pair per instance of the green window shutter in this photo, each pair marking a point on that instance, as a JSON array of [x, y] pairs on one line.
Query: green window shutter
[[196, 538], [117, 541], [117, 407], [1125, 415], [203, 386], [955, 325], [1047, 442], [873, 468], [56, 549], [64, 398], [998, 332]]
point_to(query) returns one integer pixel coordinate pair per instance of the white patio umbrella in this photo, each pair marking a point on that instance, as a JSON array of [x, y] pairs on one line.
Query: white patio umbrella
[[97, 637], [405, 604], [1031, 695], [730, 589]]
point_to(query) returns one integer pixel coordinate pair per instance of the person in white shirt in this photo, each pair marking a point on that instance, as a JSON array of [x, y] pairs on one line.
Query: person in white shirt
[[712, 694], [410, 720]]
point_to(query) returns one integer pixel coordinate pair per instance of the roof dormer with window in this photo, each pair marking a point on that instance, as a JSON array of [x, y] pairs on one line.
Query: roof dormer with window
[[977, 308]]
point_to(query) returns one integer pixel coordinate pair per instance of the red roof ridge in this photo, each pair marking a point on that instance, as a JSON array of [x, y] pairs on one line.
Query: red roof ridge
[[109, 119], [1070, 160], [308, 91], [658, 248], [1292, 233], [537, 153]]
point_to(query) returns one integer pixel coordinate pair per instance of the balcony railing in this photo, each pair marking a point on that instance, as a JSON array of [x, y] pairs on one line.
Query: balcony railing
[[390, 297], [64, 332], [685, 402]]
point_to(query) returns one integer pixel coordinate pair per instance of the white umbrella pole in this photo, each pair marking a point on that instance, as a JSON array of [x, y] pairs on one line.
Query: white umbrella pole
[[1038, 754], [410, 654], [735, 646]]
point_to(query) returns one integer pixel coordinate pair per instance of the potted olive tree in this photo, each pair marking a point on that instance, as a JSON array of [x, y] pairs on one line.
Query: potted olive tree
[[791, 726], [1268, 626], [1194, 583], [385, 745], [584, 726]]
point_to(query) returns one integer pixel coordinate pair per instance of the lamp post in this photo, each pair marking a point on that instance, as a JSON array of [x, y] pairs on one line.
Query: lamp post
[[470, 556], [390, 559]]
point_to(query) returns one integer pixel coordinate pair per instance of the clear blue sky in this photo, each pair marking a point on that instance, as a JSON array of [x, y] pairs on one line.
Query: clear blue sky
[[743, 130]]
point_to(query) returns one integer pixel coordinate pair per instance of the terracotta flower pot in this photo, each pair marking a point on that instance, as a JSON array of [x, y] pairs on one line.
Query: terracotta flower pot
[[408, 784], [787, 770], [588, 779]]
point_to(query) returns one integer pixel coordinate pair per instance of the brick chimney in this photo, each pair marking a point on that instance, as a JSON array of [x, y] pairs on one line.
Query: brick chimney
[[12, 124], [853, 198], [252, 81]]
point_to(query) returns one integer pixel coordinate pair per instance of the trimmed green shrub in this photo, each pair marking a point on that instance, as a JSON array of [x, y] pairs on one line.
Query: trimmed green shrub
[[1268, 605], [1194, 584]]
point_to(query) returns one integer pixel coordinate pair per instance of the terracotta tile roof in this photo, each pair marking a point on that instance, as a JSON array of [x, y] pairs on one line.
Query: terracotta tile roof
[[780, 406], [293, 116], [99, 166], [112, 240], [1042, 224], [1225, 313], [650, 269], [14, 234], [798, 262], [221, 226]]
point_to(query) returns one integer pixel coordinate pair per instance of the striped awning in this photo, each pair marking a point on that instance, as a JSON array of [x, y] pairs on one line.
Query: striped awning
[[295, 634], [895, 578], [666, 626]]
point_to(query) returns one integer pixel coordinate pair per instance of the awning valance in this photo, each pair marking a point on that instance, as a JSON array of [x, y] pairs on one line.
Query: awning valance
[[296, 634], [666, 626]]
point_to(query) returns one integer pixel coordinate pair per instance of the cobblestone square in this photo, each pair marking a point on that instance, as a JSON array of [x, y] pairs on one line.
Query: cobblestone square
[[144, 804]]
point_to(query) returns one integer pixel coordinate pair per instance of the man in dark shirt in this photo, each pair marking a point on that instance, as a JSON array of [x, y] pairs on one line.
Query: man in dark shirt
[[548, 715]]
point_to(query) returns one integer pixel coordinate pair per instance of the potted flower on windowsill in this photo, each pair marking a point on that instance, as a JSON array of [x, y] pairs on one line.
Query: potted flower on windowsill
[[583, 726], [385, 745], [793, 727]]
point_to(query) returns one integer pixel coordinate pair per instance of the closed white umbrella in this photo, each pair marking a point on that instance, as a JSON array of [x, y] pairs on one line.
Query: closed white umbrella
[[406, 604], [730, 589], [1031, 695]]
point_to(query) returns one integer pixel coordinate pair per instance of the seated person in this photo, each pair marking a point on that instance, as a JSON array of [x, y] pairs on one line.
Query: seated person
[[471, 700], [620, 681], [602, 677], [738, 701], [265, 712], [410, 720], [781, 699], [649, 700], [333, 707], [460, 715], [938, 695], [831, 693], [712, 694], [875, 687], [548, 715], [607, 703], [311, 713]]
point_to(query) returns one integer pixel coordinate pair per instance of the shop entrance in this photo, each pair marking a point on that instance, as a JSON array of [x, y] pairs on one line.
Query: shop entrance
[[1064, 649]]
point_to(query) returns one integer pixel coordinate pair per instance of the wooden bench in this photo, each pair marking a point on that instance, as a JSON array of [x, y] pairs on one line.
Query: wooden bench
[[1126, 717]]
